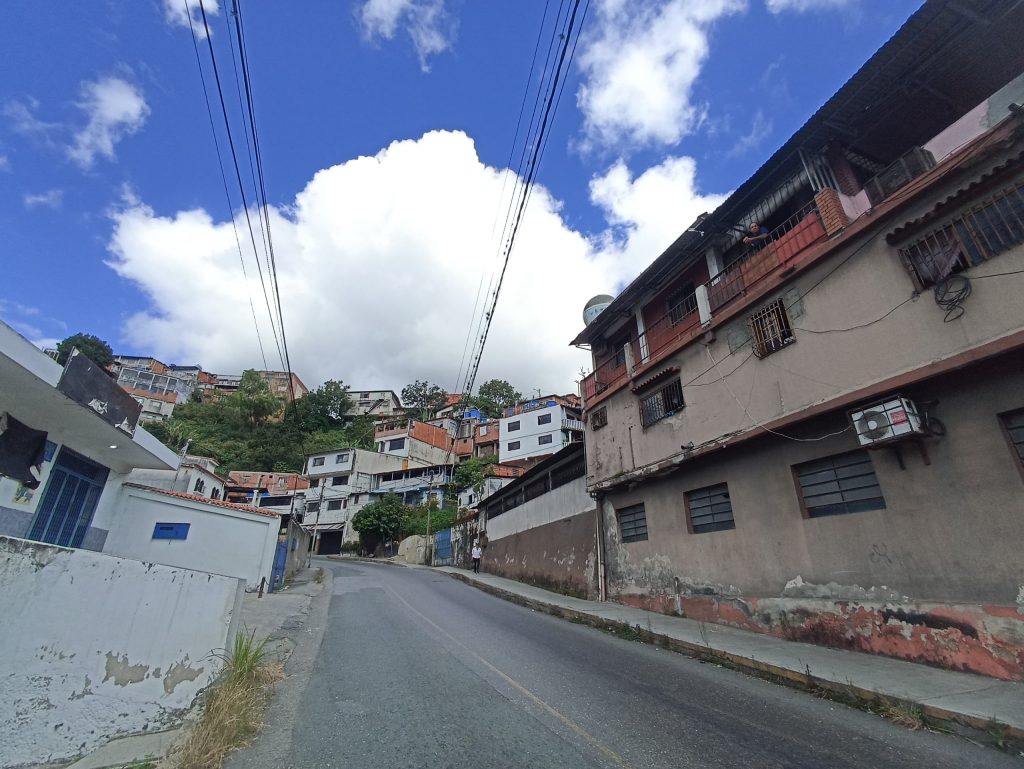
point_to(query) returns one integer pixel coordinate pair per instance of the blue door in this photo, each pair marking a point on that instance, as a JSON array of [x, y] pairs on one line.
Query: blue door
[[69, 501], [443, 548], [280, 559]]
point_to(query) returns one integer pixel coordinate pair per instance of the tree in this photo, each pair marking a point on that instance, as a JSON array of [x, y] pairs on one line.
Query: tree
[[471, 473], [325, 408], [424, 398], [379, 521], [94, 348], [253, 399], [494, 396]]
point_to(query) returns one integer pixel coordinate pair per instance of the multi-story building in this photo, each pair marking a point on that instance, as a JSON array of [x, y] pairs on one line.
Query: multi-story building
[[157, 389], [268, 490], [820, 433], [536, 428], [383, 403], [282, 384], [419, 441]]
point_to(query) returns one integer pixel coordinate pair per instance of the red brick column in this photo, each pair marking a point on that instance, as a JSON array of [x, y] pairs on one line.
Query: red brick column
[[833, 217]]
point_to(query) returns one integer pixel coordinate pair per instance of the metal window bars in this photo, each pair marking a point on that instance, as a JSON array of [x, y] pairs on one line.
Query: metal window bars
[[770, 329], [661, 403]]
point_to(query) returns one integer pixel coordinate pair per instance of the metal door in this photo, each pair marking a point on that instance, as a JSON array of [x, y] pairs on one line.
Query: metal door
[[72, 493], [443, 548], [277, 573]]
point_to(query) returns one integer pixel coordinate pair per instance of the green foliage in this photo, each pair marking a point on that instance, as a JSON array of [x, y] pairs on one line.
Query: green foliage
[[494, 396], [324, 409], [415, 520], [380, 520], [471, 473], [424, 399], [92, 347], [253, 399]]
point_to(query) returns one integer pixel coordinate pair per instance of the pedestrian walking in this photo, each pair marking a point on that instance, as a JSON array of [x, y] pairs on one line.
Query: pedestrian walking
[[477, 554]]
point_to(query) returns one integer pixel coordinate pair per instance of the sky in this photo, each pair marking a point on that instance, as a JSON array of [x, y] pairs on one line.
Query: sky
[[387, 130]]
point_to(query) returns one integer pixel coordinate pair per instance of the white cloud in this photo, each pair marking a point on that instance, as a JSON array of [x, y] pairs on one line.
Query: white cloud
[[177, 14], [115, 108], [49, 199], [780, 6], [22, 119], [379, 261], [5, 163], [427, 23], [640, 64], [760, 128]]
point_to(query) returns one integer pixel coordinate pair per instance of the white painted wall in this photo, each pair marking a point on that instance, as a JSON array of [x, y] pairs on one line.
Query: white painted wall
[[221, 540], [529, 432], [562, 502], [102, 646]]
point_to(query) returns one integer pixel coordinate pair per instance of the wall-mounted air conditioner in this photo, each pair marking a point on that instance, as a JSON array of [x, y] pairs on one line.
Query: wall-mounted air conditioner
[[891, 420], [911, 165]]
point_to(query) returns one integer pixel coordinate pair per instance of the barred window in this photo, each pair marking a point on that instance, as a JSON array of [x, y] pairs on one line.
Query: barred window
[[599, 418], [709, 509], [844, 483], [981, 232], [771, 330], [632, 523], [661, 403]]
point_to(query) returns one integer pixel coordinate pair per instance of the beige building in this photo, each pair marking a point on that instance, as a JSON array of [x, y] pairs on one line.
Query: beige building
[[383, 403], [819, 433]]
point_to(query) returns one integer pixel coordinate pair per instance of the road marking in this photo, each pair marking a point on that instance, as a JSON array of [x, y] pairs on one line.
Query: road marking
[[587, 736]]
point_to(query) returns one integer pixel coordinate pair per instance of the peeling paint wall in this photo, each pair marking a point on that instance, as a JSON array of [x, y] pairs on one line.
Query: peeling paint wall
[[560, 556], [937, 576], [99, 646]]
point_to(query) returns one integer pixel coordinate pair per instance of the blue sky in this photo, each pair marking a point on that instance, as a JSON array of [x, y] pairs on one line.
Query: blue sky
[[385, 128]]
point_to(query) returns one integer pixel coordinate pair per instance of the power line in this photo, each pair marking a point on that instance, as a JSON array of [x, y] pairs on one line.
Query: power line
[[224, 180]]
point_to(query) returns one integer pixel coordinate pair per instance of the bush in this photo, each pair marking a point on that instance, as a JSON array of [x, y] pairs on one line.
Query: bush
[[350, 547]]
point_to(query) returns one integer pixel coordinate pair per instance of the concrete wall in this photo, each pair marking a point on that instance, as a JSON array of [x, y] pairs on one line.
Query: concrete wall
[[101, 646], [936, 576], [220, 540], [560, 556], [568, 499]]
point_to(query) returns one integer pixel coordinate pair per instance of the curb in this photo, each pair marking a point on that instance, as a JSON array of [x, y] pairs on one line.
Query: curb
[[378, 561], [764, 670]]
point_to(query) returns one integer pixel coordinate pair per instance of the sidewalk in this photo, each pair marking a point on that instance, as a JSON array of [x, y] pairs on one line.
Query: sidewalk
[[963, 698]]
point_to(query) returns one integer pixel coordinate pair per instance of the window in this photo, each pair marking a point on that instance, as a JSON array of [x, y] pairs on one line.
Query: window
[[619, 346], [171, 531], [215, 494], [483, 430], [314, 482], [355, 499], [200, 486], [318, 461], [334, 505], [771, 330], [599, 418], [632, 523], [544, 419], [981, 232], [513, 426], [339, 480], [513, 446], [844, 483], [681, 304], [312, 507], [341, 459], [1013, 425], [661, 403], [364, 395], [396, 443], [544, 440], [709, 509]]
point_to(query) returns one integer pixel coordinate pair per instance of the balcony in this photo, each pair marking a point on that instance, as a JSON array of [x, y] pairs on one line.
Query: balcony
[[686, 320], [577, 425]]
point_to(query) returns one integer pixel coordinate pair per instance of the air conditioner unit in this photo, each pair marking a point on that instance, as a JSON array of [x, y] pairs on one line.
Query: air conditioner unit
[[890, 420], [911, 165]]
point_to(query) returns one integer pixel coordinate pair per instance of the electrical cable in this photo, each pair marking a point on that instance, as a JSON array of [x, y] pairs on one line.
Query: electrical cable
[[950, 293], [224, 180]]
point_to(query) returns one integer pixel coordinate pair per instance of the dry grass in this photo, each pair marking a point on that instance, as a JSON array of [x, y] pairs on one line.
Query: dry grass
[[907, 716], [233, 712]]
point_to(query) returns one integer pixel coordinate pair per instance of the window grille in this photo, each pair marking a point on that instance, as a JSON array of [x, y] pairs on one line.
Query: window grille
[[661, 403], [844, 483], [599, 418], [633, 523], [710, 509], [534, 489], [570, 472], [681, 304], [770, 329], [976, 235]]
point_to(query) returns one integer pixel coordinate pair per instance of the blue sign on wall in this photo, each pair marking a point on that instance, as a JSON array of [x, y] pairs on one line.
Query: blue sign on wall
[[171, 531]]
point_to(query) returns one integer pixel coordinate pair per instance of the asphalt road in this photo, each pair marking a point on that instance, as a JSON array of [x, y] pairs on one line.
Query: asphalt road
[[416, 669]]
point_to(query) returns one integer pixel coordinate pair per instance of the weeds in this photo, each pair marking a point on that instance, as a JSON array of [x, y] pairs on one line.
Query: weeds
[[905, 715], [319, 576], [234, 705]]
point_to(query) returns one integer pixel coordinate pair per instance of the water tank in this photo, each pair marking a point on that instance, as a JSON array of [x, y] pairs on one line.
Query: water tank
[[595, 307]]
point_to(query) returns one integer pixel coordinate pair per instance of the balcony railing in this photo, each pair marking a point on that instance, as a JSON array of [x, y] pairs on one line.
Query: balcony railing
[[799, 231], [791, 237], [574, 424]]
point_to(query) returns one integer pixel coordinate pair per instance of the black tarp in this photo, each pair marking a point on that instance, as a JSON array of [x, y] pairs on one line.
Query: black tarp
[[21, 449]]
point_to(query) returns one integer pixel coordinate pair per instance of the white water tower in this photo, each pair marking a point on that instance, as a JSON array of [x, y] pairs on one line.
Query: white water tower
[[595, 307]]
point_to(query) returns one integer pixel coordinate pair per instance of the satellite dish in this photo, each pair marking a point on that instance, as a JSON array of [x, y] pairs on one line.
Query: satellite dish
[[595, 307], [873, 425]]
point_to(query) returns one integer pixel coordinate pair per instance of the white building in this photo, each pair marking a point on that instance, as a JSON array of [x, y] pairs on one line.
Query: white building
[[194, 475], [539, 427], [377, 402]]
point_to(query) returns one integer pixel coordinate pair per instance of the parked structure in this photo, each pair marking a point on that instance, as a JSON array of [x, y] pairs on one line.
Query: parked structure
[[539, 427], [791, 436]]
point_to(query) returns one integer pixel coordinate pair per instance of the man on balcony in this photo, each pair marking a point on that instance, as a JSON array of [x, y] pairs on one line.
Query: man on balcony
[[758, 236]]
